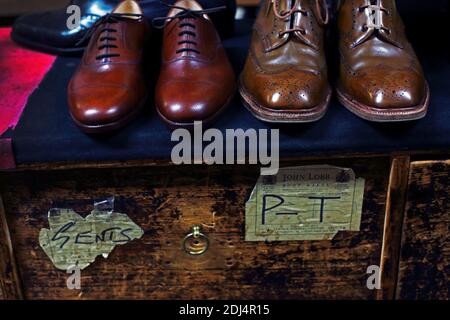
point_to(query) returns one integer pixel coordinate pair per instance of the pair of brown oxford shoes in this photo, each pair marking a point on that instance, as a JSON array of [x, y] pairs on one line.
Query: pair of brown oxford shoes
[[108, 89]]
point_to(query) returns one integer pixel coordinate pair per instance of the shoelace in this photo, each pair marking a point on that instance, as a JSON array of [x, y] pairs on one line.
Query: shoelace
[[185, 26], [287, 14], [106, 39], [375, 12]]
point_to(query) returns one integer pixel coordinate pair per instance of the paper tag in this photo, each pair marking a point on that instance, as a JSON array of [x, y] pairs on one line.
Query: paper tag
[[76, 241], [304, 203]]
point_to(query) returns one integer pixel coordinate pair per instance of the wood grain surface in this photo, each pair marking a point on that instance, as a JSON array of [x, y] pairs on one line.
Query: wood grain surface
[[166, 202], [10, 287], [395, 208], [425, 255]]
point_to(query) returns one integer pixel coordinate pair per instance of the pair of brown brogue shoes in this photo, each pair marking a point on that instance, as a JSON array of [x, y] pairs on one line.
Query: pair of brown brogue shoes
[[285, 75], [108, 89]]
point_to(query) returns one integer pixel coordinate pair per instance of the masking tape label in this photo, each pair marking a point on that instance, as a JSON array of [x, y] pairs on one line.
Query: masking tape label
[[304, 203], [76, 241]]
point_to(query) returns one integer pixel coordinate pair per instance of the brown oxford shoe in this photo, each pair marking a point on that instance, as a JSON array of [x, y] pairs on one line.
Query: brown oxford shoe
[[380, 76], [196, 80], [108, 89], [285, 76]]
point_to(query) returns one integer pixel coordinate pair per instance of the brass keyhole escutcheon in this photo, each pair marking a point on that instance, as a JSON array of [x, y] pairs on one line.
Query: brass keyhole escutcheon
[[196, 243]]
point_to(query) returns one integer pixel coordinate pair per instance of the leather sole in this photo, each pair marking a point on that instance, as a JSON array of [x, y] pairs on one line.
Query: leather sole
[[383, 115], [109, 127], [77, 51], [206, 123], [283, 116]]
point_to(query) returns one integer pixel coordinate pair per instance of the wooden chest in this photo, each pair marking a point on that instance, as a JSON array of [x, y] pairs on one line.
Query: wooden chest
[[404, 230]]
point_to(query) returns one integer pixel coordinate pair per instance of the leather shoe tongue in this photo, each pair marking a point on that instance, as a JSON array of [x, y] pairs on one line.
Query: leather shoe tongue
[[285, 5], [296, 20], [299, 21], [388, 33]]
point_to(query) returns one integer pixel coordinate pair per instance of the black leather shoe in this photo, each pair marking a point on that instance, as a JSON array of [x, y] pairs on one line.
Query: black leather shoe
[[48, 31]]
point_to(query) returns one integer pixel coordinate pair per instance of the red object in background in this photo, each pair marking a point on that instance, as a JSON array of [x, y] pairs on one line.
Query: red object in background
[[21, 71]]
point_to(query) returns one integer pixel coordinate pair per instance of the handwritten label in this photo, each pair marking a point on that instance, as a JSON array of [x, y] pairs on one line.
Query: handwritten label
[[76, 241], [304, 203]]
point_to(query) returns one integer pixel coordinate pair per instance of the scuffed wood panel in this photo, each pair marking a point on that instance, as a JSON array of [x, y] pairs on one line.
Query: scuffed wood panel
[[425, 254], [395, 208], [166, 202], [10, 288]]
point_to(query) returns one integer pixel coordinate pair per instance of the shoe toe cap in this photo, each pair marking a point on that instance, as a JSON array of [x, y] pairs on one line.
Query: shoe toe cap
[[32, 25], [288, 91], [184, 103], [101, 105], [47, 28], [390, 90]]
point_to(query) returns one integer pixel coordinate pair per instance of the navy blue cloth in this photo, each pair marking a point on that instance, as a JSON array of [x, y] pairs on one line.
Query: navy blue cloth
[[46, 133]]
